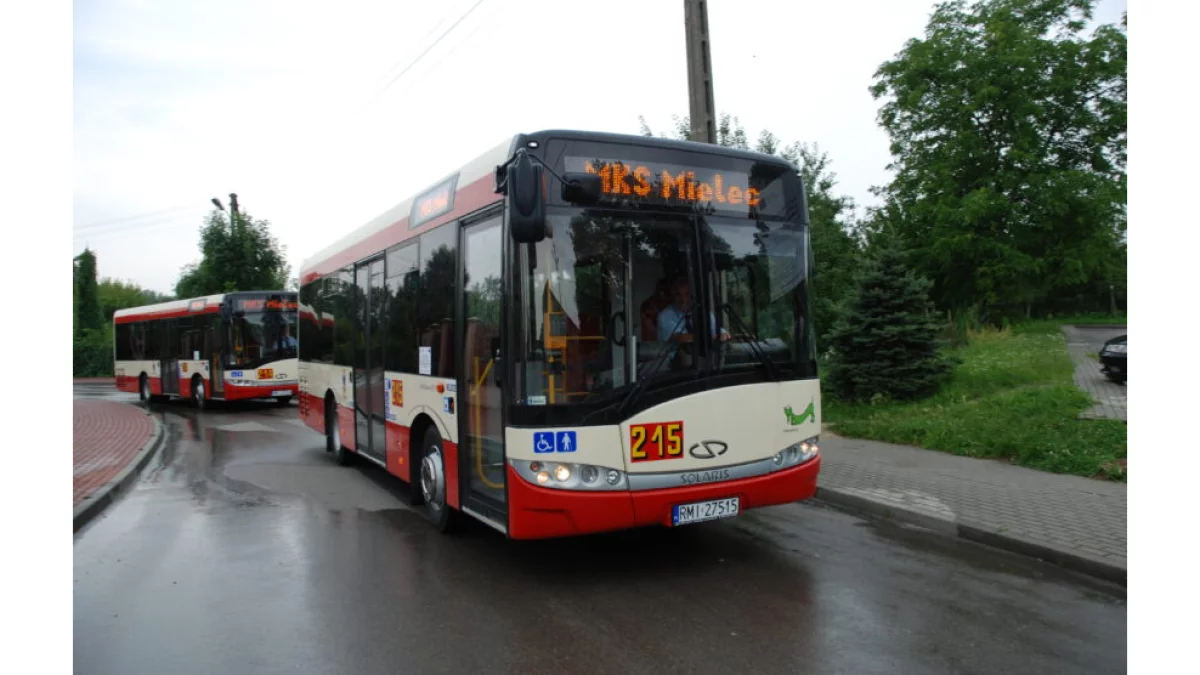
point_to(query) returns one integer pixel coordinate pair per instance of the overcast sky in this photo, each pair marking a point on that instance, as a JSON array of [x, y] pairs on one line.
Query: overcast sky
[[297, 107]]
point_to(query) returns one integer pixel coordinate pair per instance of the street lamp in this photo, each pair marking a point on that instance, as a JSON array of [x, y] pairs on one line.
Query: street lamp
[[233, 207]]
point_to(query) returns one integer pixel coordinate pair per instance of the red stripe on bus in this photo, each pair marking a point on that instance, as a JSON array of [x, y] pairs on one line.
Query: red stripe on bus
[[398, 453], [536, 512], [312, 411], [239, 392], [166, 314], [398, 443], [467, 199]]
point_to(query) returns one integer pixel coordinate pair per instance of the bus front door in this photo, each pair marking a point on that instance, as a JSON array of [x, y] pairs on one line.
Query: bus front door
[[215, 341], [481, 424], [368, 360]]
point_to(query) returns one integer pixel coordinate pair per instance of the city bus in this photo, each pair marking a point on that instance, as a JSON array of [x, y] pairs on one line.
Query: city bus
[[516, 342], [227, 347]]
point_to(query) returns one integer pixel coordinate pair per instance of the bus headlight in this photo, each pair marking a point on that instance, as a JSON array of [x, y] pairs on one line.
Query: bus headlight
[[569, 475], [797, 453]]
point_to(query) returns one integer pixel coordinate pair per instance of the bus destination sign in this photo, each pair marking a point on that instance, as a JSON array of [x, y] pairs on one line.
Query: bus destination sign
[[670, 184], [261, 304], [433, 203]]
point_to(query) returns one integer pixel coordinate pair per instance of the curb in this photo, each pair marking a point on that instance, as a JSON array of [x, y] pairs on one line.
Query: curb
[[1105, 326], [1014, 544], [95, 504]]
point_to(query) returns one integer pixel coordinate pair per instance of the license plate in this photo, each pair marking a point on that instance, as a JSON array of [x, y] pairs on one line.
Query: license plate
[[266, 373], [281, 392], [682, 514]]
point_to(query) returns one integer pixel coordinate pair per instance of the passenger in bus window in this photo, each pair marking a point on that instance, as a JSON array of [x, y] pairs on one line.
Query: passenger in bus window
[[286, 341]]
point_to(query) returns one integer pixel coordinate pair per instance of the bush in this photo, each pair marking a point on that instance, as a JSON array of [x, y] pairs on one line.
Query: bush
[[93, 354], [1011, 396], [886, 345]]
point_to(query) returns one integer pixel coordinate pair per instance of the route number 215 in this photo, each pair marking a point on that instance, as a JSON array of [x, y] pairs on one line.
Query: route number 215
[[652, 442]]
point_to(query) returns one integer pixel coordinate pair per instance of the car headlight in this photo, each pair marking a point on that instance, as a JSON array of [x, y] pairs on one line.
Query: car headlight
[[1115, 349], [570, 475], [796, 453]]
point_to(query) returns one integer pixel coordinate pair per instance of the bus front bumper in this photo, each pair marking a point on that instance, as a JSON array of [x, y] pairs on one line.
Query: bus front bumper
[[536, 512], [268, 390]]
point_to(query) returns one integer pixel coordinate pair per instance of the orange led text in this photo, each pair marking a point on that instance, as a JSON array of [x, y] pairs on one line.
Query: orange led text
[[618, 179]]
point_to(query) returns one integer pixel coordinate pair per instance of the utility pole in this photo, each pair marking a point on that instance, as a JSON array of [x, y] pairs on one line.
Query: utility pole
[[233, 211], [700, 91]]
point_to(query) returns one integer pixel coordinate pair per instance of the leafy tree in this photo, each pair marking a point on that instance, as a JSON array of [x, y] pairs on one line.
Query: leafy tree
[[92, 336], [1008, 131], [238, 257], [88, 315], [115, 294], [730, 133], [886, 344]]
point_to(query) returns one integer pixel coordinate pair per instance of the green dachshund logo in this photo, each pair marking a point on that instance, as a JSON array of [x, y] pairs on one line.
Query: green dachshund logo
[[809, 413]]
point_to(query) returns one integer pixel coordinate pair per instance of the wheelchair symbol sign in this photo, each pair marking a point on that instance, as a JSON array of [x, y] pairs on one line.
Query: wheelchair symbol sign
[[543, 442]]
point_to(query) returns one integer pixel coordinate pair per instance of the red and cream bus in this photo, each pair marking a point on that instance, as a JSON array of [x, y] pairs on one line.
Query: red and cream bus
[[233, 346], [516, 341]]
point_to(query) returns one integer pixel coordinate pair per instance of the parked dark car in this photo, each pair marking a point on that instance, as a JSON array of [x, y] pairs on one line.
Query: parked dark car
[[1112, 358]]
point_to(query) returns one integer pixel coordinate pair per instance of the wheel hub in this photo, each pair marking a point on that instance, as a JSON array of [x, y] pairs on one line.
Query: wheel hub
[[433, 483]]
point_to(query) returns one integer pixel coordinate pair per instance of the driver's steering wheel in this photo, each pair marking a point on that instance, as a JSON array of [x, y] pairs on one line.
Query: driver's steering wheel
[[618, 340]]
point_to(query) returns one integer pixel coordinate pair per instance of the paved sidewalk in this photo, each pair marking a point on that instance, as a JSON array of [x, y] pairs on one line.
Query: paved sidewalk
[[112, 442], [1110, 397], [1079, 523]]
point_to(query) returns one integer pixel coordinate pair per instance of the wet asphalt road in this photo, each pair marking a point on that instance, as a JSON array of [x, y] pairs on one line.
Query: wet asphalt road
[[244, 549]]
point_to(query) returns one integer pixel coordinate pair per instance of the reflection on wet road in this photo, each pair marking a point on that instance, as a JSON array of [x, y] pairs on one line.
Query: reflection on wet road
[[245, 549]]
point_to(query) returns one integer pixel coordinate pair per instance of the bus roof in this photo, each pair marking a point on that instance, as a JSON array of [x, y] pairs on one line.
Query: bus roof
[[208, 304], [473, 188]]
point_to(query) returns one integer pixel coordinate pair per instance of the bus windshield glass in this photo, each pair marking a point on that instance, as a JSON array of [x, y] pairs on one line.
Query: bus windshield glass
[[262, 336], [610, 298]]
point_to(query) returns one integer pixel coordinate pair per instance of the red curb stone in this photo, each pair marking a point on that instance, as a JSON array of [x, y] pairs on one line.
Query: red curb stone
[[108, 436]]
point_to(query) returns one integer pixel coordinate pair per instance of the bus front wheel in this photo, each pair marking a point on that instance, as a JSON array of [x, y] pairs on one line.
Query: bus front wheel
[[433, 481], [198, 394]]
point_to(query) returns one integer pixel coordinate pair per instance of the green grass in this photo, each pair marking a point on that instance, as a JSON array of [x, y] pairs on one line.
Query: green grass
[[1013, 397], [1091, 319]]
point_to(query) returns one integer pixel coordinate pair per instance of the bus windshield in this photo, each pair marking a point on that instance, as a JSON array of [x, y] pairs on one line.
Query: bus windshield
[[263, 336], [613, 297]]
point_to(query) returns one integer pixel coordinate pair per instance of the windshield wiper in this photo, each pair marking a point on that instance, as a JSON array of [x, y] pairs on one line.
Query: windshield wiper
[[649, 369], [759, 352]]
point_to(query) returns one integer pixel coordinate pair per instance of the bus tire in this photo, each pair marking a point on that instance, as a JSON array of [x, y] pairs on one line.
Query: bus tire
[[144, 389], [333, 435], [199, 395], [432, 481]]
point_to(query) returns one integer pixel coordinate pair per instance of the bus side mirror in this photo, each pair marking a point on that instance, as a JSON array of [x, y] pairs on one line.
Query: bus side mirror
[[526, 201]]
